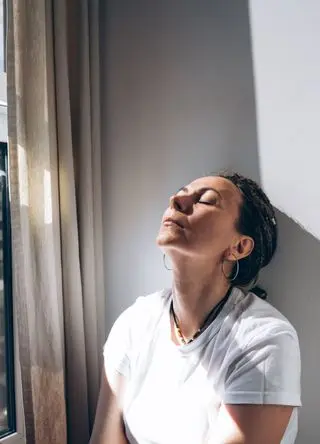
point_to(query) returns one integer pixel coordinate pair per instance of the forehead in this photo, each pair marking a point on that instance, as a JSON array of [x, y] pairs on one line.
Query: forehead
[[224, 186]]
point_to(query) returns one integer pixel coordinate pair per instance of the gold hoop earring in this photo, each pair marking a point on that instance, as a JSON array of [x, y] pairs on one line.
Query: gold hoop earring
[[237, 271], [165, 264]]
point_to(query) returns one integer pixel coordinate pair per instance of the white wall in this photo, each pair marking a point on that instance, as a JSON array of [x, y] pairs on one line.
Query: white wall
[[285, 40], [286, 53], [179, 103]]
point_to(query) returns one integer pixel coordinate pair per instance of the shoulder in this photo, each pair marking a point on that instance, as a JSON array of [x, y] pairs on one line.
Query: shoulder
[[148, 305], [262, 363], [257, 320], [257, 329], [129, 330], [141, 315], [261, 335]]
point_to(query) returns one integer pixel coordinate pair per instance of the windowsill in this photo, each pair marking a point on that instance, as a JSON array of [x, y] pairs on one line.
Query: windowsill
[[14, 438]]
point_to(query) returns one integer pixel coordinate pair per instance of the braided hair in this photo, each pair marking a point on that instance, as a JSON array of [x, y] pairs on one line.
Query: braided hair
[[257, 220]]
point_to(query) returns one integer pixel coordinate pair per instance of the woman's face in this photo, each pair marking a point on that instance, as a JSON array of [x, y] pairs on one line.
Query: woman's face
[[201, 221]]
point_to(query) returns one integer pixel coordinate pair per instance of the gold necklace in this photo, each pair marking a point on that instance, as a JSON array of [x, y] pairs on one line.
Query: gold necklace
[[181, 337], [179, 332], [209, 319]]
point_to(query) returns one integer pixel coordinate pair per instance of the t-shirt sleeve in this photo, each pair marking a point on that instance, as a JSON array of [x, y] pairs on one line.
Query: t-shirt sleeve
[[267, 371], [116, 351]]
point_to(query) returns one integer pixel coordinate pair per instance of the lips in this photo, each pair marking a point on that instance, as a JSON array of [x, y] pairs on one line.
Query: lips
[[170, 220]]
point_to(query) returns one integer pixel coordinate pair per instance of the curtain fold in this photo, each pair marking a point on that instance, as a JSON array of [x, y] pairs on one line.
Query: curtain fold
[[53, 72]]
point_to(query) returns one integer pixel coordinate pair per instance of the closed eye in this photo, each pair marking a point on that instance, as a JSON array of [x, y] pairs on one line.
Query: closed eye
[[204, 202], [205, 196], [207, 203], [209, 197]]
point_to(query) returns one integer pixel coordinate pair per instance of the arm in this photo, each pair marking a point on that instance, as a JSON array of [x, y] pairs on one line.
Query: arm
[[261, 389], [108, 426], [251, 424]]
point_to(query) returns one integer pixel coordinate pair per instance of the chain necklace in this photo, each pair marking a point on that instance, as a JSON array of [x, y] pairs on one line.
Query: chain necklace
[[208, 320]]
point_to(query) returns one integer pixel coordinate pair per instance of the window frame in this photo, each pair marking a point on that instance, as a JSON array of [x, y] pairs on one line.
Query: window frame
[[17, 436], [7, 289]]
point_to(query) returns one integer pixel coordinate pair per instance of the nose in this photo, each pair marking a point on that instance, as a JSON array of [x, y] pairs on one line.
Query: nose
[[184, 203]]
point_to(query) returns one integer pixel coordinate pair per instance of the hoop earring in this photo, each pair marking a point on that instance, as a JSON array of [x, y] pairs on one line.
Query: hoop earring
[[165, 264], [236, 274]]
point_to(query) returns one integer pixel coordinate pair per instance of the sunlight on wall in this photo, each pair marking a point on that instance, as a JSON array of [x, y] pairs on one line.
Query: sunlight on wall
[[287, 72]]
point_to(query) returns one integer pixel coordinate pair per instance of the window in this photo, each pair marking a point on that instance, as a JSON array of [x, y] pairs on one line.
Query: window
[[11, 410], [7, 396]]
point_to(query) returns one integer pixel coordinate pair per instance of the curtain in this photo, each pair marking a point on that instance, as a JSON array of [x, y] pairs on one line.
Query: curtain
[[53, 76]]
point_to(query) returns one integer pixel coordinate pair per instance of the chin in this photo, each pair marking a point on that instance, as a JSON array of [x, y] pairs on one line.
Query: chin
[[169, 240], [163, 239]]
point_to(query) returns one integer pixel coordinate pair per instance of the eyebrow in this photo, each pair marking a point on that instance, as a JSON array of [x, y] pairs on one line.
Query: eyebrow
[[201, 190]]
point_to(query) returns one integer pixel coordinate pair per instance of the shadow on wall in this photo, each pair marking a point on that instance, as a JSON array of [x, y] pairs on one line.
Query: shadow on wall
[[292, 281]]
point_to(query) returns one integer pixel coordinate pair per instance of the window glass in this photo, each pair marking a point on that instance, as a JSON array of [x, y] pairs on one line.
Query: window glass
[[7, 416]]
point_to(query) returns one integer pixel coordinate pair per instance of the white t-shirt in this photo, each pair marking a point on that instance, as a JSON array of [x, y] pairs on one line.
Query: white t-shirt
[[248, 355]]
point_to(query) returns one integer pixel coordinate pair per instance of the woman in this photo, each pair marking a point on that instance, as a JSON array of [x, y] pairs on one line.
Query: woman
[[205, 362]]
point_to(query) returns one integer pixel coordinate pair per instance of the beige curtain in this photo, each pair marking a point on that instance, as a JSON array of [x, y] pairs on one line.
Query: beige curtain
[[53, 72]]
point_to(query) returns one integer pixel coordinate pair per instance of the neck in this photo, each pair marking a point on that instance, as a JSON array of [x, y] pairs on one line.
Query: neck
[[195, 293]]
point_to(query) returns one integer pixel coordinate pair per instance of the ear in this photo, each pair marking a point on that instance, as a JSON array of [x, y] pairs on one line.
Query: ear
[[242, 248]]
